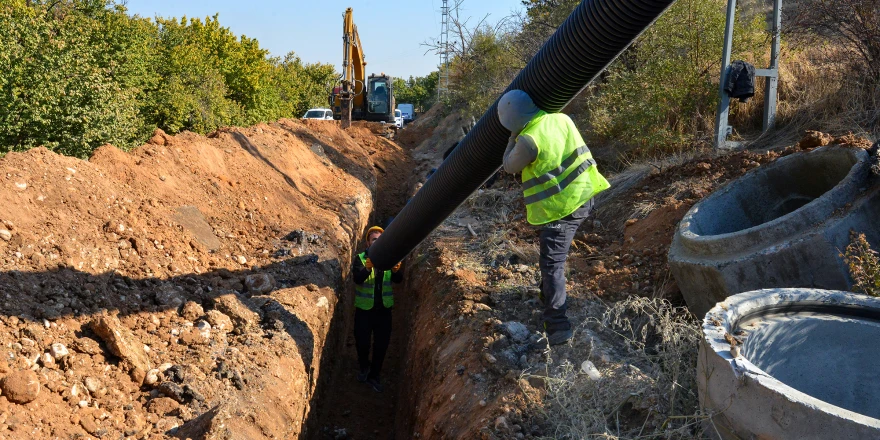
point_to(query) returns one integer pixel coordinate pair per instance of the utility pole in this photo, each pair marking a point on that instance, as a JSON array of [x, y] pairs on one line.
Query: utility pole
[[722, 129], [443, 80]]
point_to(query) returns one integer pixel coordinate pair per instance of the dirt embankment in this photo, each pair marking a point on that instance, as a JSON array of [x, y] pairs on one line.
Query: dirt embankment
[[478, 364], [183, 289]]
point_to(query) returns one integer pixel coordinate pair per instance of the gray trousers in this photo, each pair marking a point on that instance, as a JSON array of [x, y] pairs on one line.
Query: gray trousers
[[555, 240]]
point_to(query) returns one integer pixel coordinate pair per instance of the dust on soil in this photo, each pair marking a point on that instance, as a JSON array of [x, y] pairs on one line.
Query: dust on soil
[[183, 289]]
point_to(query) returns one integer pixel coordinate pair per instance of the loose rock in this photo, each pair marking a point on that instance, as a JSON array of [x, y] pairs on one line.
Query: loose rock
[[92, 384], [123, 344], [59, 350], [192, 311], [259, 284], [170, 296], [21, 386], [163, 405], [489, 358], [243, 317], [516, 331], [219, 321]]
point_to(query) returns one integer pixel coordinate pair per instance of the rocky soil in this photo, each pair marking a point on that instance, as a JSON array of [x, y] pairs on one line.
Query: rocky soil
[[196, 287], [183, 289]]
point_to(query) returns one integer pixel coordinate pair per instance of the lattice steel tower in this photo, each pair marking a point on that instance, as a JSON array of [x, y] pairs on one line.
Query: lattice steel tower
[[443, 81]]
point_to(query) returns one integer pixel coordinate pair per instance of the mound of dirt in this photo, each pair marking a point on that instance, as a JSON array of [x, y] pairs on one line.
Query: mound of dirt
[[414, 133], [183, 288], [479, 366]]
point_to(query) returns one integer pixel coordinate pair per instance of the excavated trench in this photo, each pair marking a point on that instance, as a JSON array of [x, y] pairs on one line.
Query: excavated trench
[[342, 407]]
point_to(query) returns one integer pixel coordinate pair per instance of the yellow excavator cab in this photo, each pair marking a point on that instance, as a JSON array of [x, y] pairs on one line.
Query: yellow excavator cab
[[359, 98]]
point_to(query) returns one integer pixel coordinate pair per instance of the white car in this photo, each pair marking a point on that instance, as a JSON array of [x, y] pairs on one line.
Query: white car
[[398, 119], [324, 114]]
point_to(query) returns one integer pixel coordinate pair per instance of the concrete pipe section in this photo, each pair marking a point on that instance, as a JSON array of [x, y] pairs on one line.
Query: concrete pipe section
[[780, 225], [804, 365]]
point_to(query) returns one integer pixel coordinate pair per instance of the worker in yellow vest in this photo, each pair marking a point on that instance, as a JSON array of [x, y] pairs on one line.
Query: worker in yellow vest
[[559, 178], [373, 300]]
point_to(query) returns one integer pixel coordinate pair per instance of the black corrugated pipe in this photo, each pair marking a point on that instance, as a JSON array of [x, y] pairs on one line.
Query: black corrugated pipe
[[591, 37]]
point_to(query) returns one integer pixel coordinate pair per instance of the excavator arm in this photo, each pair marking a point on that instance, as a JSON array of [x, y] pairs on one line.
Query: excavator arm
[[354, 78], [360, 97]]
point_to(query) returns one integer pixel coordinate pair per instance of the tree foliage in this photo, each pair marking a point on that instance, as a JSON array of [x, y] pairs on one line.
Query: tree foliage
[[853, 25], [76, 74], [664, 91], [420, 91]]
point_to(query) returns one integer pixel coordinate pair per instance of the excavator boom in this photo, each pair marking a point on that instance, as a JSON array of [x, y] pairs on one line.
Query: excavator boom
[[359, 97]]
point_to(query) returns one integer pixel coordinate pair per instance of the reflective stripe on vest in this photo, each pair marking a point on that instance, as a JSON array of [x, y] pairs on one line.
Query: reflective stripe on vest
[[365, 292], [564, 176], [558, 188]]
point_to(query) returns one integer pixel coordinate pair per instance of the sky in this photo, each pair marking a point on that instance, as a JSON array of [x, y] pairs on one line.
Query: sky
[[391, 31]]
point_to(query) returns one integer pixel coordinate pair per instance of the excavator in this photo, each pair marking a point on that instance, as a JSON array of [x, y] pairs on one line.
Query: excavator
[[360, 98]]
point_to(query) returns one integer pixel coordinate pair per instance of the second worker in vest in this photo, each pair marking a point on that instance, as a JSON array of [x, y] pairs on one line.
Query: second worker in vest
[[373, 301], [559, 179]]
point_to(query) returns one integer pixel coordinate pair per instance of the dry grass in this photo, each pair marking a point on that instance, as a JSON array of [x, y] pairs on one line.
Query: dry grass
[[818, 89], [864, 265], [649, 392]]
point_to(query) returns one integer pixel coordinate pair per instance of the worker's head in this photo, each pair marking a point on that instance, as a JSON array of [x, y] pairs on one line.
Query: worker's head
[[515, 110], [372, 234]]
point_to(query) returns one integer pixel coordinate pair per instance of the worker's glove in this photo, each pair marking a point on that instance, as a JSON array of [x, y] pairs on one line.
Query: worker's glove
[[368, 264], [395, 268]]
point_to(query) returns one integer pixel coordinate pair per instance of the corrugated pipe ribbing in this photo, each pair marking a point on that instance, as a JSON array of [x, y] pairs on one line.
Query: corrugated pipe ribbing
[[590, 39]]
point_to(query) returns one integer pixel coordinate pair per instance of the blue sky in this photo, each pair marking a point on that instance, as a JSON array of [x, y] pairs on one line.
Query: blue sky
[[391, 31]]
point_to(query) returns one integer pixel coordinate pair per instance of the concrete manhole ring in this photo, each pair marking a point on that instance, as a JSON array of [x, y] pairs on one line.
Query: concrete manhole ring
[[804, 365], [780, 225]]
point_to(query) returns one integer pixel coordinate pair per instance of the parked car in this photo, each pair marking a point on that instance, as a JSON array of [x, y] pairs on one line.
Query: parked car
[[398, 119], [319, 113], [407, 111]]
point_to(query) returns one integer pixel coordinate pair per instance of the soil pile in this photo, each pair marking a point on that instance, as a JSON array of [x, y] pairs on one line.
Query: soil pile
[[479, 365], [185, 288]]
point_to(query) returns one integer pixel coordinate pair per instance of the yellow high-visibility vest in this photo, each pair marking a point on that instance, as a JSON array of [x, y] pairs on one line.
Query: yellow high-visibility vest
[[564, 176], [364, 292]]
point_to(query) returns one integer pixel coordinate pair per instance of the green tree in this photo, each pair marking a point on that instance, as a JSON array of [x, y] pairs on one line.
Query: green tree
[[58, 88], [483, 70], [301, 86], [663, 92], [420, 91], [76, 74]]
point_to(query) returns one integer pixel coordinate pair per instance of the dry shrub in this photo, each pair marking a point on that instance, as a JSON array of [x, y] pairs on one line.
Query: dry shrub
[[819, 88], [864, 266], [649, 393], [497, 204]]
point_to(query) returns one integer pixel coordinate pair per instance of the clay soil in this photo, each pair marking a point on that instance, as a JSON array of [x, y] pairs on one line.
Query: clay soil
[[183, 289], [478, 364], [197, 287]]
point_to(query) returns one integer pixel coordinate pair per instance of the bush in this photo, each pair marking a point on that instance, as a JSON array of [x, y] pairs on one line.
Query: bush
[[59, 88], [76, 74], [483, 70], [421, 91], [864, 266], [655, 379], [663, 93]]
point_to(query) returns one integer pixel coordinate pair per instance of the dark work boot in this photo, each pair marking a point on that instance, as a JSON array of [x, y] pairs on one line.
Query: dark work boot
[[374, 382], [362, 376], [559, 336]]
